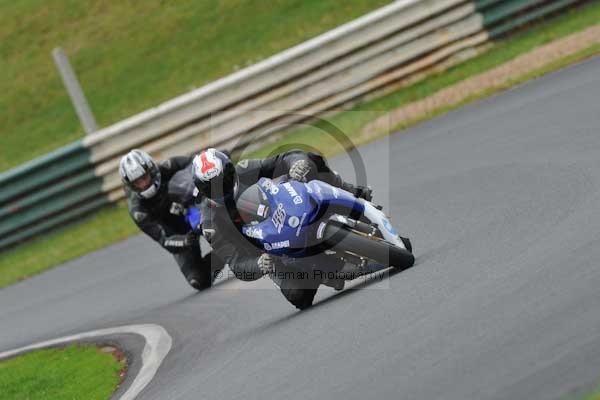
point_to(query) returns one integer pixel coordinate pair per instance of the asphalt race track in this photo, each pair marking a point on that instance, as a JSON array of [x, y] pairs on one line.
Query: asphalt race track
[[502, 201]]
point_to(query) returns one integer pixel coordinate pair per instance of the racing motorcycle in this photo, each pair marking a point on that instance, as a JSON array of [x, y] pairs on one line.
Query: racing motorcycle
[[296, 219]]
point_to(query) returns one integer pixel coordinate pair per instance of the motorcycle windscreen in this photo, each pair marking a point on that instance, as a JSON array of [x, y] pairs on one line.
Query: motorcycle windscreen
[[253, 205]]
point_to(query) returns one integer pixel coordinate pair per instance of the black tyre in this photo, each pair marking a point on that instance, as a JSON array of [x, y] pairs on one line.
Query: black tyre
[[342, 238]]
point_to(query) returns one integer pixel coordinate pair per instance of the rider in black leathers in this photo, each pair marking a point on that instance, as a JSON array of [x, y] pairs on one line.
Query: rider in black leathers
[[222, 225], [158, 212]]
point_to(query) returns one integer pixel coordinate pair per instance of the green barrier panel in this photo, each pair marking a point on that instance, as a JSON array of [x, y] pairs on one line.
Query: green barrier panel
[[54, 221], [35, 215], [43, 194], [53, 166], [506, 9], [481, 4], [534, 14], [33, 193]]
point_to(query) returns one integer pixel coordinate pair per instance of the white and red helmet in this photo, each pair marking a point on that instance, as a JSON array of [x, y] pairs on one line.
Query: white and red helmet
[[214, 175]]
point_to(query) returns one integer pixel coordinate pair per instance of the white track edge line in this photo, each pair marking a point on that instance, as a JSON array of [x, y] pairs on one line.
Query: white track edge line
[[157, 346]]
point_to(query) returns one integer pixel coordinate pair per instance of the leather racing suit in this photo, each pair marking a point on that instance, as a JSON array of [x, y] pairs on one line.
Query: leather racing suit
[[161, 218], [222, 227]]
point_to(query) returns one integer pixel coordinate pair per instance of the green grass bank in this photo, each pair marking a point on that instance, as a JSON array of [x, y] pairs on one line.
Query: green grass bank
[[73, 372], [130, 56]]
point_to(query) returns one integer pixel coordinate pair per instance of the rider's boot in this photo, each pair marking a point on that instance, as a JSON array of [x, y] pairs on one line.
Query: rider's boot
[[330, 275]]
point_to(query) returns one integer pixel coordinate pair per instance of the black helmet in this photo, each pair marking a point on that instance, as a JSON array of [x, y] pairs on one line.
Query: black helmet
[[140, 173], [215, 176]]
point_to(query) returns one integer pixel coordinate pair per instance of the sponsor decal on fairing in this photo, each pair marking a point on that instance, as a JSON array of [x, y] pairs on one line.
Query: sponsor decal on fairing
[[292, 192], [278, 217], [253, 232], [277, 245], [270, 187], [261, 210], [294, 221]]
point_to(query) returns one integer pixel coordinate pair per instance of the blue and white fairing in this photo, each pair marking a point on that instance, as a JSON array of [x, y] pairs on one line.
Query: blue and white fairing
[[293, 209]]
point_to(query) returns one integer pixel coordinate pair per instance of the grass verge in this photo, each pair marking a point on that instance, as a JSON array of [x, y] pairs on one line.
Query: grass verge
[[73, 372], [595, 396], [113, 224], [98, 230], [130, 56]]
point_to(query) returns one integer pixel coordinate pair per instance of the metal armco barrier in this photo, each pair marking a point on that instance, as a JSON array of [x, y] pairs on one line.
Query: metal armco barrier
[[340, 65]]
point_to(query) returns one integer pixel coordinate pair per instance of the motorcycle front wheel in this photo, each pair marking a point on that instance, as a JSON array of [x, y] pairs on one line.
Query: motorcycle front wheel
[[343, 238]]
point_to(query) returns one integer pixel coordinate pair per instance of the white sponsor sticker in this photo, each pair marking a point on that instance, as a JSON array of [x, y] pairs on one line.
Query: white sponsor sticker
[[292, 192], [278, 245], [278, 218], [321, 230], [261, 210], [290, 189], [252, 232], [294, 221], [268, 185]]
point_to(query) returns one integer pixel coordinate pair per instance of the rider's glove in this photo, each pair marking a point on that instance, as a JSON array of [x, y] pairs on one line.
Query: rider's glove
[[266, 264], [299, 170], [364, 192], [191, 238]]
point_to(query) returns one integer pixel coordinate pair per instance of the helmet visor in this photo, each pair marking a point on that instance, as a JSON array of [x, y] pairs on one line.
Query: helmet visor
[[142, 183]]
